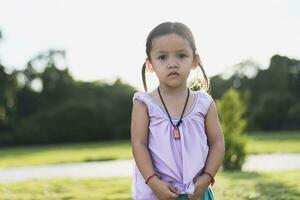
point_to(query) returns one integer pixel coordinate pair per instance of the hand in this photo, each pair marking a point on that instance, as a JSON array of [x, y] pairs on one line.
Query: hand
[[201, 185], [163, 190]]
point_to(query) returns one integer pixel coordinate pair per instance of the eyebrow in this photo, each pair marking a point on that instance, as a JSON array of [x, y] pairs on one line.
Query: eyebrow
[[180, 50]]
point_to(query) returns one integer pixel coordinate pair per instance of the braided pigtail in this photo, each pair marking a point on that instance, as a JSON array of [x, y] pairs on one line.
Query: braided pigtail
[[206, 80], [144, 76]]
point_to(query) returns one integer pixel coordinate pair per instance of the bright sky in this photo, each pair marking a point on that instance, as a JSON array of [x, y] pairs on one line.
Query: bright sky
[[106, 39]]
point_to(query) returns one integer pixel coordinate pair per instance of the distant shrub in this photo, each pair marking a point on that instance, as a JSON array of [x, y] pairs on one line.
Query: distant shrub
[[231, 110]]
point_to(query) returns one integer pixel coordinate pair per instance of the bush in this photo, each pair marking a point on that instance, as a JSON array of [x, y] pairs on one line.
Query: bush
[[72, 121], [275, 111], [231, 110]]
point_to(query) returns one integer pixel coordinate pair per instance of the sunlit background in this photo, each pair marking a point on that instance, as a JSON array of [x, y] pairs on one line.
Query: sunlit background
[[69, 70], [106, 39]]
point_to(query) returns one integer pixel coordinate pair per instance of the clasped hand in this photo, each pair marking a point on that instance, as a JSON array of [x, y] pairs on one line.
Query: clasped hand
[[165, 191], [201, 184]]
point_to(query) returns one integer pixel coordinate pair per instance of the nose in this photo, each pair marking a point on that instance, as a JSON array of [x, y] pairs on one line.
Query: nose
[[173, 63]]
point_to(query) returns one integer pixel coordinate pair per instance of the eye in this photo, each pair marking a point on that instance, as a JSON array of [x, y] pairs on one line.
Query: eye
[[162, 57], [182, 55]]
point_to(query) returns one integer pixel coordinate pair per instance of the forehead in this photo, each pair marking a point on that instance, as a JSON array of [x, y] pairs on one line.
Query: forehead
[[169, 43]]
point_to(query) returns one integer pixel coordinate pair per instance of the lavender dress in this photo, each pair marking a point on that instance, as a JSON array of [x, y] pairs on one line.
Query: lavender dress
[[177, 161]]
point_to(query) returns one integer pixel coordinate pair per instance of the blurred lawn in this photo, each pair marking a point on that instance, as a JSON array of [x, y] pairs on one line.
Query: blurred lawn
[[260, 142], [65, 153], [274, 142], [229, 186]]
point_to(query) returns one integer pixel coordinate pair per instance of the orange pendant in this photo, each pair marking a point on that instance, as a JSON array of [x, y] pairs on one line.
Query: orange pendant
[[176, 133]]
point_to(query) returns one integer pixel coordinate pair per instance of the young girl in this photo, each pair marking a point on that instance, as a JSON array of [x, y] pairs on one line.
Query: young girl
[[177, 140]]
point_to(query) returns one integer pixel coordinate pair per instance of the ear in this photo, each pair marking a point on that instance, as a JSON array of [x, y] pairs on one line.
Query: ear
[[149, 65], [196, 61]]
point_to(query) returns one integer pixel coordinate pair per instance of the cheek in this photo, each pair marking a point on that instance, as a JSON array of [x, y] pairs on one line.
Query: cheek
[[188, 61], [158, 69], [186, 74], [158, 66]]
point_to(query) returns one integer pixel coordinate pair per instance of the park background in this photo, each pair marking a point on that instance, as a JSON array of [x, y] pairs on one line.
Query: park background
[[69, 69]]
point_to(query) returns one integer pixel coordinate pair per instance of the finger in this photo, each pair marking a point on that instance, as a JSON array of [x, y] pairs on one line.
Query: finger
[[173, 195], [173, 189]]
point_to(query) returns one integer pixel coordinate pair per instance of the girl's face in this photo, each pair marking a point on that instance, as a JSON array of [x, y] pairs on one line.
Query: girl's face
[[172, 59]]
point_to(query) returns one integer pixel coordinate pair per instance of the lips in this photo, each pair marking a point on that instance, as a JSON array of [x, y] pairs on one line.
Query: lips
[[173, 74]]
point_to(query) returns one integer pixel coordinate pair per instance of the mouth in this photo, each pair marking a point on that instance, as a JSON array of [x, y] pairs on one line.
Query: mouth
[[173, 74]]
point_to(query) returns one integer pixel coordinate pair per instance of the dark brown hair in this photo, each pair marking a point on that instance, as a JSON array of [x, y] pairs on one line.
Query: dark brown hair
[[181, 30]]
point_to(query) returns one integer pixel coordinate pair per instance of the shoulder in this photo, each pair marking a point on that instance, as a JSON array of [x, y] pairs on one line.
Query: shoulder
[[139, 96], [204, 95], [141, 101], [144, 97], [139, 107], [205, 100]]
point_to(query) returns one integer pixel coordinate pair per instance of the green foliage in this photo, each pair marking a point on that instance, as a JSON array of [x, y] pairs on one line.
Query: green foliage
[[99, 113], [272, 95], [294, 114], [275, 111], [231, 110], [62, 110], [8, 88]]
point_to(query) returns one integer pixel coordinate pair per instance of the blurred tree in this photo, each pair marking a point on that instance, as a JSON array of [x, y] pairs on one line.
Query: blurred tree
[[8, 89], [55, 85], [231, 111], [280, 83], [43, 103]]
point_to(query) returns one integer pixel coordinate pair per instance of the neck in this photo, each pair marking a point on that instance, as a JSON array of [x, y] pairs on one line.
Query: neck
[[173, 90]]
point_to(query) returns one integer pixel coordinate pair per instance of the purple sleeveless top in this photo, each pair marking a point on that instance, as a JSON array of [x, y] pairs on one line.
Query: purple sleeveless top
[[177, 161]]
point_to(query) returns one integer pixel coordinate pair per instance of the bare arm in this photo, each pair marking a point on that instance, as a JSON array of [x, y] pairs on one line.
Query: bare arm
[[141, 154], [215, 140], [139, 139]]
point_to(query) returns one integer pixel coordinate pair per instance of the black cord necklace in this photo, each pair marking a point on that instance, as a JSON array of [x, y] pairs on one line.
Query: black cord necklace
[[176, 133]]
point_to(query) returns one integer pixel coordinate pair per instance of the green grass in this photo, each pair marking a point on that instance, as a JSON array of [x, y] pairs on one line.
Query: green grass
[[274, 142], [229, 186], [65, 153], [262, 142], [86, 189]]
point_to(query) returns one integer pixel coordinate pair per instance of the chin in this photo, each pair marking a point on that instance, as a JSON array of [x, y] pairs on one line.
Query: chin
[[174, 85]]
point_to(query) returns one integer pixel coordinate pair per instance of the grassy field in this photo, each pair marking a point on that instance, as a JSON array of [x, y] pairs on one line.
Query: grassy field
[[229, 186], [262, 142], [65, 153], [274, 142]]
